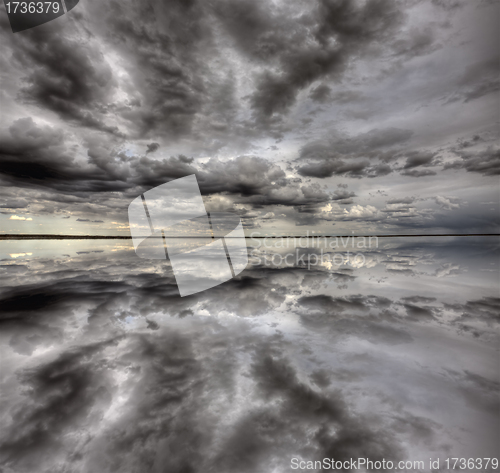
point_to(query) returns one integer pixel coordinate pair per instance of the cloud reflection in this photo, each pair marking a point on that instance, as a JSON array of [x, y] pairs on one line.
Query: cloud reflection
[[106, 367]]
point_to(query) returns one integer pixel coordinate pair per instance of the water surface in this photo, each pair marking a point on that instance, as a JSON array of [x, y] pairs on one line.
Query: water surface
[[106, 368]]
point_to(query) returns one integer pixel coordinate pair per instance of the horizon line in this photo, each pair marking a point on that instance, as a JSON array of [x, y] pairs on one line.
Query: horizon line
[[14, 236]]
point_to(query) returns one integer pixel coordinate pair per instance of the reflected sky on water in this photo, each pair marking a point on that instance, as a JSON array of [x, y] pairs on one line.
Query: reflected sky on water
[[104, 366]]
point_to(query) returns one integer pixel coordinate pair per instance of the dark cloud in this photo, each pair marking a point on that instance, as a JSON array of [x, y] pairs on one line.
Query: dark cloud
[[33, 155], [416, 159], [159, 65], [321, 93], [149, 172], [486, 310], [30, 151], [254, 179], [66, 76], [325, 169], [486, 162], [358, 302], [350, 156], [303, 46], [418, 173], [417, 313], [152, 147], [348, 169]]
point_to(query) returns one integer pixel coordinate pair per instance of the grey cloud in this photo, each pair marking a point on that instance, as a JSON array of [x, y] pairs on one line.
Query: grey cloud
[[418, 299], [352, 168], [66, 76], [416, 43], [41, 156], [416, 159], [418, 173], [347, 96], [383, 138], [251, 177], [486, 309], [360, 145], [479, 79], [342, 193], [321, 93], [349, 156], [329, 168], [447, 203], [14, 204], [169, 94], [466, 143], [403, 200], [449, 4], [378, 170], [245, 175], [358, 302], [152, 147], [486, 162], [416, 312], [304, 53], [478, 391], [153, 172], [448, 269]]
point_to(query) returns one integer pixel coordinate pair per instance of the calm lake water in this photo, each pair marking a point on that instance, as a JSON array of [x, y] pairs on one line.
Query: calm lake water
[[393, 355]]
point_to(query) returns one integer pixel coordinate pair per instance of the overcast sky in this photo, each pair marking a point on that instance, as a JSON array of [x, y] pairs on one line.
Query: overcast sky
[[370, 116]]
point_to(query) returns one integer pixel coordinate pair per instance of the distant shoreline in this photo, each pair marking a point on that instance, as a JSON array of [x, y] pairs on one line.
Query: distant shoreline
[[120, 237]]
